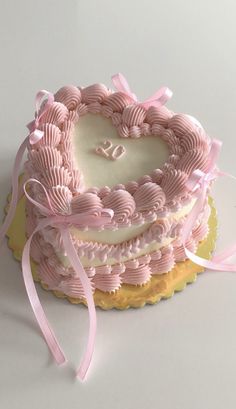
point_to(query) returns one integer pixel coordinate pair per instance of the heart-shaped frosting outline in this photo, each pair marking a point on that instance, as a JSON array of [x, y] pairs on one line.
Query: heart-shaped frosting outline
[[151, 196]]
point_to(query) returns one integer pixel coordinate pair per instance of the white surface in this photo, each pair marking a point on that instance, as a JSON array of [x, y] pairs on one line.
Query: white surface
[[141, 157], [180, 353]]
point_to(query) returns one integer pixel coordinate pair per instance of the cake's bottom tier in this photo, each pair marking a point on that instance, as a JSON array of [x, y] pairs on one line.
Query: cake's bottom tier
[[136, 271], [158, 287]]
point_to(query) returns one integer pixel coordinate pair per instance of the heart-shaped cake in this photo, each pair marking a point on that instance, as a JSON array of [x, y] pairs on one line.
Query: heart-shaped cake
[[115, 196], [103, 155]]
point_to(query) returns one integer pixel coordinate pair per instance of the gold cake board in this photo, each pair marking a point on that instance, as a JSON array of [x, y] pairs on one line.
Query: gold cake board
[[160, 286]]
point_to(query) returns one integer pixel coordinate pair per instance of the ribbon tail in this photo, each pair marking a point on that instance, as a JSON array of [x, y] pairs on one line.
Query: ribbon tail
[[35, 302], [210, 264], [217, 262], [225, 254], [78, 267], [14, 197]]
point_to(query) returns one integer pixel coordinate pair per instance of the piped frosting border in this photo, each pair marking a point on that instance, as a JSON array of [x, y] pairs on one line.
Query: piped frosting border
[[143, 201]]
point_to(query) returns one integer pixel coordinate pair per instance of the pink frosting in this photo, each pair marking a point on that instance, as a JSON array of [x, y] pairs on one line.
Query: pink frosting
[[77, 183], [85, 202], [158, 115], [117, 101], [94, 108], [145, 200], [106, 111], [174, 183], [72, 287], [179, 252], [194, 159], [67, 127], [201, 232], [144, 179], [135, 131], [145, 129], [56, 114], [149, 195], [82, 109], [123, 130], [48, 274], [159, 230], [133, 115], [57, 176], [60, 198], [157, 176], [104, 191], [131, 187], [94, 93], [69, 95], [196, 139], [107, 282], [181, 125], [119, 186], [121, 202], [116, 119], [45, 158], [137, 276], [163, 265], [68, 160], [52, 136]]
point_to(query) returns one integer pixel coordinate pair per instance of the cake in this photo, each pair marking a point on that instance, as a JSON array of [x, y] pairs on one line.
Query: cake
[[101, 150], [123, 178]]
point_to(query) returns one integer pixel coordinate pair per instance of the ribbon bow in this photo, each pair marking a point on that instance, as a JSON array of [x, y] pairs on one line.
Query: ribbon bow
[[199, 182], [63, 222], [41, 106], [158, 99], [34, 136]]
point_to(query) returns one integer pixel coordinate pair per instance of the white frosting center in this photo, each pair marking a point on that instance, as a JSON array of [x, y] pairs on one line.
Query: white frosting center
[[142, 155]]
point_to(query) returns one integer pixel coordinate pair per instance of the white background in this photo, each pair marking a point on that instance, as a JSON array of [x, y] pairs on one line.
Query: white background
[[180, 353]]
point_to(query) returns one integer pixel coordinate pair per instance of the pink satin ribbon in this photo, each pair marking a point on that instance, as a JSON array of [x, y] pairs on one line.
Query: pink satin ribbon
[[63, 222], [199, 183], [158, 99], [34, 136], [41, 106]]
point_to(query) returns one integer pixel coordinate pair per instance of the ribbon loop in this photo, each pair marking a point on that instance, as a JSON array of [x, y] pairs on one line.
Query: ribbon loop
[[44, 99], [121, 84], [45, 210], [158, 99]]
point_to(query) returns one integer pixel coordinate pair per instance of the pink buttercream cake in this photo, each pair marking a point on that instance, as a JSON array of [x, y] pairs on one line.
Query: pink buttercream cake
[[102, 150]]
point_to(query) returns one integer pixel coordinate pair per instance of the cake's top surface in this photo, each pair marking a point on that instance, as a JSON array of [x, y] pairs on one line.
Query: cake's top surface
[[102, 149]]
